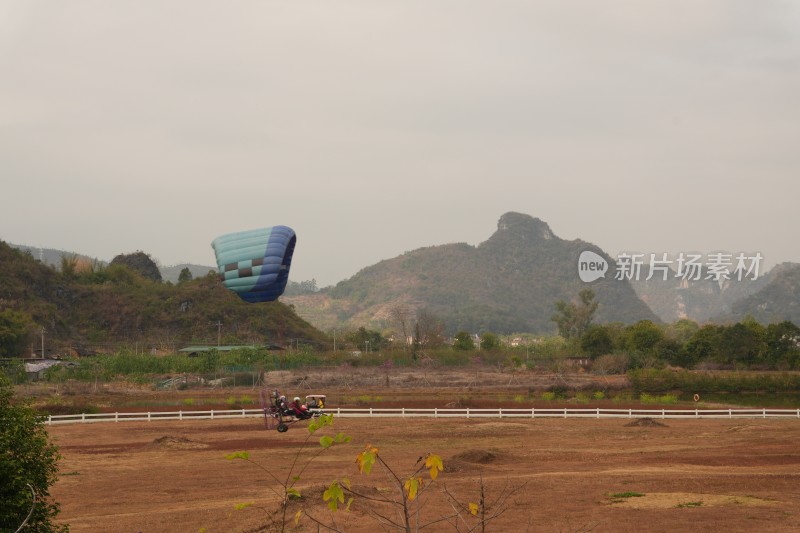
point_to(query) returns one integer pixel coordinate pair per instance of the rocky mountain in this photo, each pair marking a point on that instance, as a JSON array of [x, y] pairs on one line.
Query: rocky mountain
[[776, 301], [675, 298], [509, 283]]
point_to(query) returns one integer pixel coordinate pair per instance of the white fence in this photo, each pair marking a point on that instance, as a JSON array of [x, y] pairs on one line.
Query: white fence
[[438, 413]]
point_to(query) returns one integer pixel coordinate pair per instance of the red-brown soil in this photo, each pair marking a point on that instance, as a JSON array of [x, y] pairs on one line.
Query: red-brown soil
[[561, 474]]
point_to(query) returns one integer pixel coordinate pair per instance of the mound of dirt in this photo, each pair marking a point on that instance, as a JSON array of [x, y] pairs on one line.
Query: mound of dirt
[[176, 443], [481, 457], [646, 422]]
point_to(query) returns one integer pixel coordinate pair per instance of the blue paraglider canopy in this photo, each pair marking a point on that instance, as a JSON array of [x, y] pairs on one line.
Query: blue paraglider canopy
[[255, 264]]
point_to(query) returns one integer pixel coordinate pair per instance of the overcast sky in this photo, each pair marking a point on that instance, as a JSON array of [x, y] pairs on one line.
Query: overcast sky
[[377, 127]]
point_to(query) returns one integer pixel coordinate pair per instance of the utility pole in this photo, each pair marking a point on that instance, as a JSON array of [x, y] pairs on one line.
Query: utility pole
[[42, 342], [219, 332]]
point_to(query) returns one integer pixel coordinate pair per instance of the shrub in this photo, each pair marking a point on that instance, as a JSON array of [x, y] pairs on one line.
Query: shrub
[[28, 466]]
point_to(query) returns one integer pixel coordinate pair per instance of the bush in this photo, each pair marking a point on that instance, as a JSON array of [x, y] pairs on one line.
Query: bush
[[28, 462]]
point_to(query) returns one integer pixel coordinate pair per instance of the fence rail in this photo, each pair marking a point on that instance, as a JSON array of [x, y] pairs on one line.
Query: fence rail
[[437, 413]]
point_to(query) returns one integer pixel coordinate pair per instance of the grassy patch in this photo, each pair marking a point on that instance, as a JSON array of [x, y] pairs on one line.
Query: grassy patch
[[627, 495], [665, 399], [689, 504]]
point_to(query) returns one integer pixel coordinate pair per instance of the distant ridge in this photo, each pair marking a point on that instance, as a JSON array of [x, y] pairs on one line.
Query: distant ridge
[[778, 299], [52, 257], [509, 283]]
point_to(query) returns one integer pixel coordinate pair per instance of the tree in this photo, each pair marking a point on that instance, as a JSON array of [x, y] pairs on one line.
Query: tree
[[429, 329], [643, 336], [741, 343], [463, 341], [572, 319], [704, 344], [401, 317], [682, 330], [288, 491], [490, 341], [185, 275], [28, 467], [596, 341], [366, 340], [15, 333], [783, 344]]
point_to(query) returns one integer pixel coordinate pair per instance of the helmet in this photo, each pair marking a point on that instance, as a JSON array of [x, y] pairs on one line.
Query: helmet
[[283, 398], [297, 398]]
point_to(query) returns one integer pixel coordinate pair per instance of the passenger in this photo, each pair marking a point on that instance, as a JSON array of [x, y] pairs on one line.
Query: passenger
[[300, 409]]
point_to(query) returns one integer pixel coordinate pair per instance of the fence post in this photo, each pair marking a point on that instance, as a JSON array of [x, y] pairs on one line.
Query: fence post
[[435, 412], [370, 412], [180, 414], [533, 412], [403, 412], [116, 417], [148, 416], [242, 413], [212, 414], [598, 412], [765, 412], [798, 412], [565, 412], [730, 413], [630, 413], [50, 418], [663, 414], [500, 412], [696, 413]]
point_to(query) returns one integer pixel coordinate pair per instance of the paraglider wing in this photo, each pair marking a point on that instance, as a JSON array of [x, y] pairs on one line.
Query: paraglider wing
[[255, 264]]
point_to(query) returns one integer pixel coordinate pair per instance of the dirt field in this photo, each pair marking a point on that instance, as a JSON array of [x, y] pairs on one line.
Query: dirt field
[[560, 475]]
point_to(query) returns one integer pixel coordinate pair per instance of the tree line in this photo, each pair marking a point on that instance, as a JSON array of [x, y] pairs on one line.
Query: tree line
[[685, 343]]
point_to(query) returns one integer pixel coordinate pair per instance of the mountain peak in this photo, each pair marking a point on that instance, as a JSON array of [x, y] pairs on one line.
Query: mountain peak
[[524, 226]]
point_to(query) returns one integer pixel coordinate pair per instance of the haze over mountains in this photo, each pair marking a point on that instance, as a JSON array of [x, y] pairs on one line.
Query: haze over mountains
[[510, 283]]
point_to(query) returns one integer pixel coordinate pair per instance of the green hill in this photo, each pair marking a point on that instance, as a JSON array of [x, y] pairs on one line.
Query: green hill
[[509, 283], [777, 301], [99, 308]]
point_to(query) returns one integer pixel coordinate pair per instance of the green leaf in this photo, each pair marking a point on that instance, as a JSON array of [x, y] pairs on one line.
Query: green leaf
[[366, 459], [326, 441], [240, 506], [293, 493], [341, 438], [334, 495]]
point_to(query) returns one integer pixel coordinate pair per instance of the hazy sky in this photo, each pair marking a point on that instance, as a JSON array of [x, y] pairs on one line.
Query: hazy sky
[[377, 127]]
